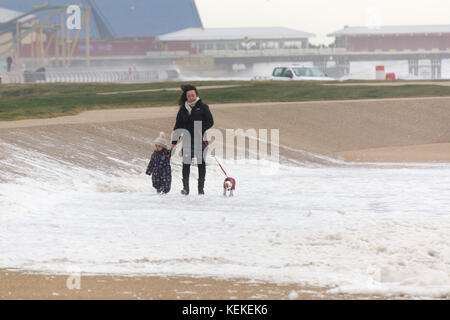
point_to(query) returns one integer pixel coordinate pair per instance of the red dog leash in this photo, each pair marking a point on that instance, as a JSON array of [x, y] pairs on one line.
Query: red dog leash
[[206, 144]]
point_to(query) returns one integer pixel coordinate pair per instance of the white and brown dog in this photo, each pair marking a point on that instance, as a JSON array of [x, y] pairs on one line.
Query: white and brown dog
[[229, 184]]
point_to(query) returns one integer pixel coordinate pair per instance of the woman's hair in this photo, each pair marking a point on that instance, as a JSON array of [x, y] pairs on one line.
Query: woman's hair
[[183, 98]]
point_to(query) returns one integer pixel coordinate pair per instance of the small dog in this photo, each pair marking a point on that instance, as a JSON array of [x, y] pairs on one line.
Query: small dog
[[229, 184]]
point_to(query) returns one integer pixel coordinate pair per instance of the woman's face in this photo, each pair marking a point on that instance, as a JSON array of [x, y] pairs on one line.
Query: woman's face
[[191, 96]]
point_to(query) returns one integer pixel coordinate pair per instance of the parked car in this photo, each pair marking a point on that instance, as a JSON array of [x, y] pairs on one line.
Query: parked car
[[299, 73]]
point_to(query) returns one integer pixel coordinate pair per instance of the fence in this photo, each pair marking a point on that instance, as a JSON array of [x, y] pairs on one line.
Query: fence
[[87, 76]]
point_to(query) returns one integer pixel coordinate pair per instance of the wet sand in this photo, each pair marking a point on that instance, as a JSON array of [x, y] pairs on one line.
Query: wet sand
[[24, 286], [322, 127], [433, 152]]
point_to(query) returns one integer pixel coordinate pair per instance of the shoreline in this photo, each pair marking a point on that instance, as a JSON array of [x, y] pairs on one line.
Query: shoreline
[[21, 285]]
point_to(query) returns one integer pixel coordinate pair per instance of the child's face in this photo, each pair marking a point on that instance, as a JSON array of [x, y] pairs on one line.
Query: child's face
[[158, 148]]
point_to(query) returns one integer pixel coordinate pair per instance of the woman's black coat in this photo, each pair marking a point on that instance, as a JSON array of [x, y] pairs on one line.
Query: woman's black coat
[[200, 112]]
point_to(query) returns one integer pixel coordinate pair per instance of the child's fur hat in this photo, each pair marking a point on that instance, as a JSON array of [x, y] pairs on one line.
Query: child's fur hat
[[161, 140]]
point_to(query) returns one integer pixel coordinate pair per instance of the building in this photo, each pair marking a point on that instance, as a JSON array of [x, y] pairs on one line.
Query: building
[[393, 38], [116, 28], [201, 40], [7, 32], [126, 18], [7, 15]]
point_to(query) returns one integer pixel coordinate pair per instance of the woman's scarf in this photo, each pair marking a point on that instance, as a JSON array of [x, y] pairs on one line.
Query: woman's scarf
[[190, 105]]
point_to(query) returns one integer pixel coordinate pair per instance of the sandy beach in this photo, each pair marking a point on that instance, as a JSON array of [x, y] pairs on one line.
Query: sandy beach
[[25, 286], [388, 130], [349, 129]]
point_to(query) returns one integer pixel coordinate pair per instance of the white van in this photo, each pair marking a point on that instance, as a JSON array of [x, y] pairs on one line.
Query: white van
[[299, 73]]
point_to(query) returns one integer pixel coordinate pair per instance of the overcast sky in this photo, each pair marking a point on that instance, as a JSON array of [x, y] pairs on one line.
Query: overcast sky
[[321, 16]]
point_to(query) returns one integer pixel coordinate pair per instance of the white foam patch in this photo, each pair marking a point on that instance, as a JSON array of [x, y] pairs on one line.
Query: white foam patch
[[356, 230]]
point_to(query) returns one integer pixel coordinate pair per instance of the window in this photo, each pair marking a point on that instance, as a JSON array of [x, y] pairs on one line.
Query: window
[[316, 73], [308, 72], [300, 72], [278, 72], [288, 73]]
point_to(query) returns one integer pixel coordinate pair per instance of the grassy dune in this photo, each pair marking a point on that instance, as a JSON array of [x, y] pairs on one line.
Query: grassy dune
[[26, 101]]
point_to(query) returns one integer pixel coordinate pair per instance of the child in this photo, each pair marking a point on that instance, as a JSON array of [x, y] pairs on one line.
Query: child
[[159, 166]]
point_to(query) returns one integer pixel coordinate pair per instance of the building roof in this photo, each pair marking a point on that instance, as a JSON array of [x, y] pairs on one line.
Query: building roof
[[201, 34], [7, 15], [354, 31], [126, 18]]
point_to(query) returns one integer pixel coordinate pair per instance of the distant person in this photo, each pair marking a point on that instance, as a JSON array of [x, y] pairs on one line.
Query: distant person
[[192, 109], [9, 62], [159, 165]]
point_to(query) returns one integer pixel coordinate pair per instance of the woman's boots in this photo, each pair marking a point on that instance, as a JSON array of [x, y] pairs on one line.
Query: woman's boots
[[201, 180], [201, 187], [185, 190]]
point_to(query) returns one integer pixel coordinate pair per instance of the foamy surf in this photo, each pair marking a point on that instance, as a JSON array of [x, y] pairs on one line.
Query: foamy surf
[[354, 229]]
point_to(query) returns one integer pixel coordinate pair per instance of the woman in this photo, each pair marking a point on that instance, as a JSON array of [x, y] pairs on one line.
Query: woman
[[192, 109]]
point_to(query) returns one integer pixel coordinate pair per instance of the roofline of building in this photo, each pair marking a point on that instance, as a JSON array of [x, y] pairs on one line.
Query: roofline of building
[[302, 35], [379, 30], [18, 14]]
